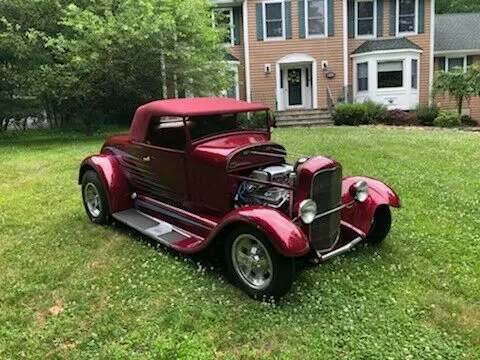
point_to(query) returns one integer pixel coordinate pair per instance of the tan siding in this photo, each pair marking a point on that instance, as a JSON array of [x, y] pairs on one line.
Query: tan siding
[[270, 52], [447, 102]]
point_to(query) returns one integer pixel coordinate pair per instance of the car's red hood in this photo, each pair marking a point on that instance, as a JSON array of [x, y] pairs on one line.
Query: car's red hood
[[219, 149]]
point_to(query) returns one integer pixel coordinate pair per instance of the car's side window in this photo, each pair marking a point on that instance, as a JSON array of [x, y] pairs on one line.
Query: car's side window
[[166, 133]]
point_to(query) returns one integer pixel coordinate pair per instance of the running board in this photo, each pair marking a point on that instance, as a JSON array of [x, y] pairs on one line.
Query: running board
[[340, 250], [150, 226]]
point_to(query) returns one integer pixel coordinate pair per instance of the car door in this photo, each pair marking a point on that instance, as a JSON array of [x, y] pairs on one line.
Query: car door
[[162, 165]]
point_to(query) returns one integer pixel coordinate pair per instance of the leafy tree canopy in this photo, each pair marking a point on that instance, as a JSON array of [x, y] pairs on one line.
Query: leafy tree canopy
[[457, 6]]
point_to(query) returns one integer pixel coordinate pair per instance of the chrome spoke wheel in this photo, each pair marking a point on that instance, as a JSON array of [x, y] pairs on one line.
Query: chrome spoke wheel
[[91, 196], [252, 262]]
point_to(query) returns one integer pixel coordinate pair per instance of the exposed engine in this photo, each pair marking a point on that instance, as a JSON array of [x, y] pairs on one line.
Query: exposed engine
[[255, 193]]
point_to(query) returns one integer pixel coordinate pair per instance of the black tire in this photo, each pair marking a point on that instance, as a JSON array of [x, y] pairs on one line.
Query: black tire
[[90, 179], [283, 268], [382, 222]]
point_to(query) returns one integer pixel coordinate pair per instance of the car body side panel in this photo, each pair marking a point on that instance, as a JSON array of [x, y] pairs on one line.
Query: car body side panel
[[361, 215], [113, 179]]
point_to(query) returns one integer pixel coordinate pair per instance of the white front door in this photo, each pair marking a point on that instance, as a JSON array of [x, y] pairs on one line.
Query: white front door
[[296, 87]]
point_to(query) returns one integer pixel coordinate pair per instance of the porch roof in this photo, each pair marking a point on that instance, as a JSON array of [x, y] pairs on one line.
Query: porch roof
[[385, 45]]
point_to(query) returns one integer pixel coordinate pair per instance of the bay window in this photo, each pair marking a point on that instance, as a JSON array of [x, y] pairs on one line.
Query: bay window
[[362, 77], [390, 74], [274, 24], [414, 74], [365, 18], [316, 17], [407, 16]]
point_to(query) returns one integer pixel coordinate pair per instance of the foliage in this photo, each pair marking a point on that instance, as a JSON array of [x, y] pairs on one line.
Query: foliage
[[402, 118], [447, 118], [459, 85], [467, 120], [376, 113], [97, 61], [349, 114], [426, 114], [74, 290], [457, 6]]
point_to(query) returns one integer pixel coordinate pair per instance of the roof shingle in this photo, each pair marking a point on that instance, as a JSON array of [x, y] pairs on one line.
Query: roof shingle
[[386, 44], [457, 32]]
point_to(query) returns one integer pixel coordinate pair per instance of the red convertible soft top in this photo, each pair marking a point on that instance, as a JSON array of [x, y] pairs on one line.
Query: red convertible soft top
[[187, 107]]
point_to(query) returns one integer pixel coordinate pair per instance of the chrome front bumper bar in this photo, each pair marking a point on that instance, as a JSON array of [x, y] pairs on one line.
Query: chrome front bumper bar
[[340, 250]]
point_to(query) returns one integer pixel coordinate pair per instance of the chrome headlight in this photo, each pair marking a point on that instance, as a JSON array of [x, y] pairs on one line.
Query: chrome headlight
[[359, 191], [307, 211]]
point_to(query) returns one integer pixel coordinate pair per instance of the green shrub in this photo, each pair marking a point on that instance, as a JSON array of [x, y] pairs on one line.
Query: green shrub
[[447, 118], [468, 121], [376, 113], [426, 115], [349, 114]]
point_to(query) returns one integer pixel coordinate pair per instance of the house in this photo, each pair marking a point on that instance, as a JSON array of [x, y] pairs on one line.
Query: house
[[457, 44], [300, 54]]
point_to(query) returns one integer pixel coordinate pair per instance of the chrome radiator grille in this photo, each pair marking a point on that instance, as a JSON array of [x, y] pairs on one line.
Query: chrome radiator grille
[[326, 191]]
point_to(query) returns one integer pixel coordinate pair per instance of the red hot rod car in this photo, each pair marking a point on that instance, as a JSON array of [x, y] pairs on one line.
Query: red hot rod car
[[198, 171]]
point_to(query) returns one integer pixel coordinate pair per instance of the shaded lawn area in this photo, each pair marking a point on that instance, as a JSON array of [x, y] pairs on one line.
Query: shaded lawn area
[[70, 289]]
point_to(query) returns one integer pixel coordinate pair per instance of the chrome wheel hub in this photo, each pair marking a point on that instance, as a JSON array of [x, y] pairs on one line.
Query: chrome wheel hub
[[91, 196], [252, 262]]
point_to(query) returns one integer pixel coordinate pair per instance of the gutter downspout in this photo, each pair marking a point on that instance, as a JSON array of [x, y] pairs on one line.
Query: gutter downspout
[[246, 49], [345, 50], [432, 49]]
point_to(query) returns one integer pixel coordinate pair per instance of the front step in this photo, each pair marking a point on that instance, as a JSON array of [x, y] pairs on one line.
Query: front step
[[303, 117], [151, 227]]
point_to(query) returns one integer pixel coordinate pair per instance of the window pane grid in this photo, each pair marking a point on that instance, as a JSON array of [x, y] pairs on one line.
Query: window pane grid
[[362, 77], [316, 17], [390, 74], [365, 17], [406, 15], [273, 20]]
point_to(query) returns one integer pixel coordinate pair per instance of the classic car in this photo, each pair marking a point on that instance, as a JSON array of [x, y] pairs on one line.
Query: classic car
[[201, 171]]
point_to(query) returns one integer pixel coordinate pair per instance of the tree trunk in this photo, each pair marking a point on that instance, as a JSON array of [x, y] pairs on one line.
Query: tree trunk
[[460, 105]]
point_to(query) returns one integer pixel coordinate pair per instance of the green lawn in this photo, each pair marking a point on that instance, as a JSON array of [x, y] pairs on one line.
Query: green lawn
[[70, 289]]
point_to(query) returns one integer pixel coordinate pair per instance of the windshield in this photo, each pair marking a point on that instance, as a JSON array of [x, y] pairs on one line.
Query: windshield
[[203, 126]]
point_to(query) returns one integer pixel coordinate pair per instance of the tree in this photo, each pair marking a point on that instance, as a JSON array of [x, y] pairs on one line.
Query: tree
[[458, 84], [457, 6]]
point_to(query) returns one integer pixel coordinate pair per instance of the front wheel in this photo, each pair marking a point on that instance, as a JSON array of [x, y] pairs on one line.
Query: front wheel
[[381, 224], [255, 266], [94, 198]]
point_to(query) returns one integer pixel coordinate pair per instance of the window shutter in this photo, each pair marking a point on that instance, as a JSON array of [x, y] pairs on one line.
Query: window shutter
[[393, 17], [469, 60], [351, 19], [441, 61], [259, 20], [421, 16], [236, 25], [288, 19], [379, 18], [301, 18], [331, 18]]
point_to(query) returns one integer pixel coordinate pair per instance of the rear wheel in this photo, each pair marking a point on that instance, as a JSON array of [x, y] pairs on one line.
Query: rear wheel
[[381, 224], [255, 266], [94, 198]]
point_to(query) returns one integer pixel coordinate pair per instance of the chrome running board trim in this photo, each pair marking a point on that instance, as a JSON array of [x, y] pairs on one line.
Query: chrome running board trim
[[341, 250]]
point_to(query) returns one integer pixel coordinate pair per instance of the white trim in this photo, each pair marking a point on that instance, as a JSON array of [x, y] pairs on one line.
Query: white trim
[[295, 58], [386, 52], [457, 52], [325, 14], [431, 67], [374, 25], [345, 50], [246, 49], [232, 32], [406, 33], [264, 12]]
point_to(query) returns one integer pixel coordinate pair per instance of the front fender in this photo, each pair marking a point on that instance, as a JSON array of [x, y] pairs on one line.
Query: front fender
[[286, 237], [361, 215], [114, 182]]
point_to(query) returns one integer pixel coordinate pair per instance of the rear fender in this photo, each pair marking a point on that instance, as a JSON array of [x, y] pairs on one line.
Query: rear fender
[[361, 215], [285, 236], [114, 182]]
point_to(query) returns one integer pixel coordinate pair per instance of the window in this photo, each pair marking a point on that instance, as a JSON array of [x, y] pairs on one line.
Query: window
[[362, 77], [414, 74], [166, 132], [456, 63], [407, 16], [390, 74], [234, 92], [315, 17], [365, 14], [274, 26], [223, 18]]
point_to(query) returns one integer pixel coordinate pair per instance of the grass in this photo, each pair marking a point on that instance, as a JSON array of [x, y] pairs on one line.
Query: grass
[[70, 289]]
